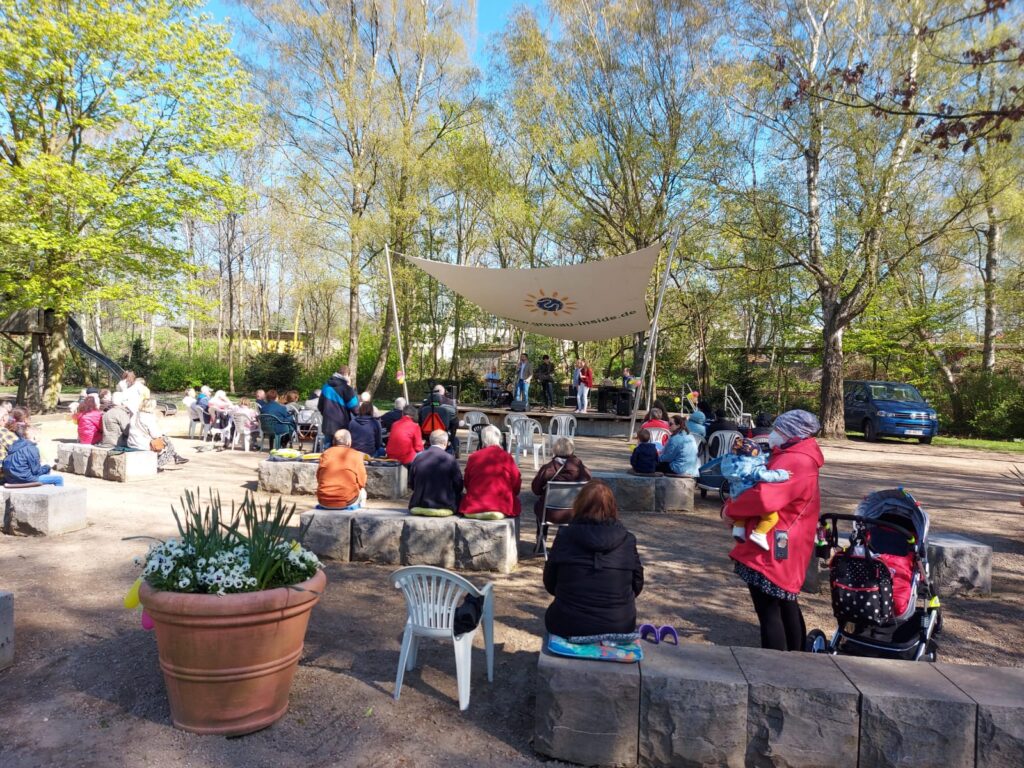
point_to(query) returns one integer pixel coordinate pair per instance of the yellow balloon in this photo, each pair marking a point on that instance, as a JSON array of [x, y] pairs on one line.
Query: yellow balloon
[[131, 600]]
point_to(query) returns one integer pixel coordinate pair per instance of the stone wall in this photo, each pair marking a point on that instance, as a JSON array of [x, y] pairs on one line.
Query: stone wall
[[394, 537], [101, 463], [702, 705], [298, 478], [641, 494]]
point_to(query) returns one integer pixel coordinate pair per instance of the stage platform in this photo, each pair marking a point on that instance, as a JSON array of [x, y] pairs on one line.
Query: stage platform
[[590, 424]]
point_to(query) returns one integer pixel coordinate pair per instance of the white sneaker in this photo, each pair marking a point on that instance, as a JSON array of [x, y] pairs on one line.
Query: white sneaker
[[739, 533], [760, 539]]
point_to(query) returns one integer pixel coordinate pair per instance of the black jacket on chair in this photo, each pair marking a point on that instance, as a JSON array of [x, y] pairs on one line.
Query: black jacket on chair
[[595, 574]]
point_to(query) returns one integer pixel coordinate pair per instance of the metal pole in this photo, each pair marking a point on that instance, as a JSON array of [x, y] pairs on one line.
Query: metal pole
[[652, 335], [398, 329]]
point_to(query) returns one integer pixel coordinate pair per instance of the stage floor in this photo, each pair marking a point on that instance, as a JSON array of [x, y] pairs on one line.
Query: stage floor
[[590, 424]]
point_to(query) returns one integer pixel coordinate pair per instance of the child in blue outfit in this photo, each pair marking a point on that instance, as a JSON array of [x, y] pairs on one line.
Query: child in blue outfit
[[22, 464], [695, 424], [744, 468], [644, 459]]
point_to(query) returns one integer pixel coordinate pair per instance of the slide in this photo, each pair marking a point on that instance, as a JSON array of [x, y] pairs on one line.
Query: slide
[[77, 339]]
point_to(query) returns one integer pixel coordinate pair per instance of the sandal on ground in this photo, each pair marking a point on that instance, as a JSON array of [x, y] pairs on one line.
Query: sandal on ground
[[648, 629], [668, 634]]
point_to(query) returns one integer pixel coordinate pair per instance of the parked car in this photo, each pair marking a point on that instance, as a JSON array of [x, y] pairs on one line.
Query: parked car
[[888, 408]]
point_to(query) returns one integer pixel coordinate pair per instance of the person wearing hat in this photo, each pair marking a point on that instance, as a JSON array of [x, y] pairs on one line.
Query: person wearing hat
[[774, 576]]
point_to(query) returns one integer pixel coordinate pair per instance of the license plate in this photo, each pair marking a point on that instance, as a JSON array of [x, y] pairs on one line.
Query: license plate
[[913, 432]]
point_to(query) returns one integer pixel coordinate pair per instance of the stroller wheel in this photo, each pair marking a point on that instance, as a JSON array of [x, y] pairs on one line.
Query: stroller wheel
[[723, 491], [816, 642]]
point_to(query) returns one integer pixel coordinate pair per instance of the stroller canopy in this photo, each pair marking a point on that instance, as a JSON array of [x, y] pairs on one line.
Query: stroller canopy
[[896, 506]]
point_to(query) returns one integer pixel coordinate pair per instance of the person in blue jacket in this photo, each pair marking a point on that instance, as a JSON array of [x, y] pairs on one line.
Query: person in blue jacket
[[679, 456], [695, 424], [23, 465]]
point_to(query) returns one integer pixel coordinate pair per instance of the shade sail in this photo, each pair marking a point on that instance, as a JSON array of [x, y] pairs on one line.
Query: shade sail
[[583, 302]]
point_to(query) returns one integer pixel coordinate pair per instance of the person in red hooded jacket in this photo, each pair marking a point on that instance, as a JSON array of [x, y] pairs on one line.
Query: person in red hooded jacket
[[774, 577]]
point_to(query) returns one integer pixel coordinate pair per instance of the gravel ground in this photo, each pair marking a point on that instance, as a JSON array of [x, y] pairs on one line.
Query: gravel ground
[[85, 689]]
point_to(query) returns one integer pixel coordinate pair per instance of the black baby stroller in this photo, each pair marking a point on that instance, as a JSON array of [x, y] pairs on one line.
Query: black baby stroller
[[882, 596]]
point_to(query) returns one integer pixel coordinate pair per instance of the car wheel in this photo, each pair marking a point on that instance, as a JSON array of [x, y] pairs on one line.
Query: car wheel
[[816, 642], [925, 440], [870, 433]]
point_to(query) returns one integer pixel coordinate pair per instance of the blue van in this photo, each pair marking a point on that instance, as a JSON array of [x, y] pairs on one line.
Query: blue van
[[888, 408]]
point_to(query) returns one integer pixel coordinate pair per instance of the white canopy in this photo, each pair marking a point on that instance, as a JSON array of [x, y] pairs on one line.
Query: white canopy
[[584, 302]]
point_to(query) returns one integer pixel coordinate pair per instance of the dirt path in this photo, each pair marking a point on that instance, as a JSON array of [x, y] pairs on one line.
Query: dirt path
[[86, 690]]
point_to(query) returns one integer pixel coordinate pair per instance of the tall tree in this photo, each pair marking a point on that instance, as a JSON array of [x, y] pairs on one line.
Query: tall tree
[[108, 117]]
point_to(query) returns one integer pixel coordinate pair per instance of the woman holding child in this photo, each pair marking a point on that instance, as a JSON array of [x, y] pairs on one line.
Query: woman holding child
[[775, 575]]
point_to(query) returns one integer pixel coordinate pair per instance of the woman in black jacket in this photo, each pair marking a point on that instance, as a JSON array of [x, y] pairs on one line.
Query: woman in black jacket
[[594, 570]]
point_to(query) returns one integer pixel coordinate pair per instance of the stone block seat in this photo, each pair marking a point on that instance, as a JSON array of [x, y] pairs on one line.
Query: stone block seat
[[715, 705], [42, 510], [394, 537], [6, 629], [959, 565], [652, 494], [116, 465], [299, 478]]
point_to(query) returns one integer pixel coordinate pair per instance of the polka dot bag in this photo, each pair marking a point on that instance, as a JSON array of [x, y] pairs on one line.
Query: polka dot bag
[[861, 590]]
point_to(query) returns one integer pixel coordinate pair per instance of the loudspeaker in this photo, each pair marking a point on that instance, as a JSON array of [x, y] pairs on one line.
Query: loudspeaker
[[518, 405], [623, 403]]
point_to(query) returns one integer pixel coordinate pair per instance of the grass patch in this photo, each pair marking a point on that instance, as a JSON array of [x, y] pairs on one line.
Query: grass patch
[[980, 445]]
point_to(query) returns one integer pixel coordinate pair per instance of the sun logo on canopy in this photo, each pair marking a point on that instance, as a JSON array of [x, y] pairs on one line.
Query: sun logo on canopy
[[549, 305]]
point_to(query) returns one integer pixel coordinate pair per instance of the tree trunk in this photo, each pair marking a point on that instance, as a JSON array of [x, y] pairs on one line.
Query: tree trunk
[[831, 412], [55, 356], [353, 316], [993, 242]]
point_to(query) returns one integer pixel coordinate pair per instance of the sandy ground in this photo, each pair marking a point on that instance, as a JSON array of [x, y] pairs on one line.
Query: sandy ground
[[85, 689]]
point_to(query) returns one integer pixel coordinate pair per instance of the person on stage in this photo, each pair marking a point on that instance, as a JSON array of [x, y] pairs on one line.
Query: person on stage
[[546, 377], [524, 374]]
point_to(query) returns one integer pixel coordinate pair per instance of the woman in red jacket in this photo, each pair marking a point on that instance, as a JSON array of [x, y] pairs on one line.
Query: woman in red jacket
[[492, 480], [775, 576], [89, 418]]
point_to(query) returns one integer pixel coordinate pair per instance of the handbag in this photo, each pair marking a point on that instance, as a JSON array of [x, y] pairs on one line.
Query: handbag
[[157, 444], [861, 590]]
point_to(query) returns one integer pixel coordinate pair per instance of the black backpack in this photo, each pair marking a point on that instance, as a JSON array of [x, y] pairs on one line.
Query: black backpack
[[861, 590]]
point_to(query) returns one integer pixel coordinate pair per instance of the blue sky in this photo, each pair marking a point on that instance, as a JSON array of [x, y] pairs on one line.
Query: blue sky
[[491, 16]]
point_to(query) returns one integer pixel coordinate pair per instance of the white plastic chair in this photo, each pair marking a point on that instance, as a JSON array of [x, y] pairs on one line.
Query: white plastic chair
[[195, 419], [431, 597], [720, 443], [243, 433], [659, 436], [473, 418], [511, 419], [212, 431], [702, 450], [561, 425], [524, 431]]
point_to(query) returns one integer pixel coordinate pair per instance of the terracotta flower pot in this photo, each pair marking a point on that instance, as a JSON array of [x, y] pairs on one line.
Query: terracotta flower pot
[[228, 661]]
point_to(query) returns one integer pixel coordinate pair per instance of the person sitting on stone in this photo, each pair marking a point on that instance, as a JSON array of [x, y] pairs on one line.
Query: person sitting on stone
[[389, 418], [437, 414], [594, 572], [105, 400], [435, 479], [405, 439], [145, 434], [22, 463], [366, 433], [493, 480], [565, 467], [680, 454], [644, 459], [341, 477], [89, 418], [115, 423]]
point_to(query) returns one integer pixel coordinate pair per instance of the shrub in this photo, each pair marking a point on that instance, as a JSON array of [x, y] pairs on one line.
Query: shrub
[[138, 360], [277, 370], [993, 405], [173, 373]]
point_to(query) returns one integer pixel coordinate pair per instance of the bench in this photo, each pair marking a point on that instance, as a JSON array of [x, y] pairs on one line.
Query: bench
[[650, 493], [44, 510], [298, 478], [6, 629], [118, 466], [714, 705], [394, 537]]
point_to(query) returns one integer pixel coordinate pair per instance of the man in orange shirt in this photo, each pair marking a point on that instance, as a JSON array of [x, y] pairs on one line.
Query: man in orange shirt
[[404, 439], [341, 478]]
